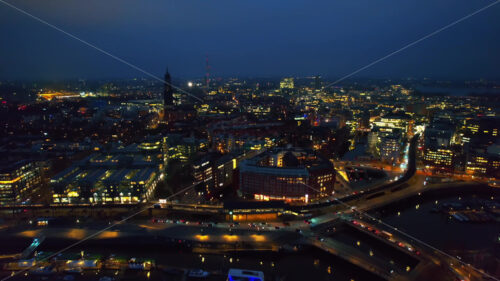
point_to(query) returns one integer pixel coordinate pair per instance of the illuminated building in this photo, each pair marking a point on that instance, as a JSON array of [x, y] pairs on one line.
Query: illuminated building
[[246, 210], [397, 120], [477, 164], [127, 175], [52, 95], [385, 139], [20, 181], [373, 141], [287, 83], [385, 143], [235, 134], [150, 145], [439, 158], [214, 171], [487, 126], [182, 148], [483, 164], [390, 148], [286, 174], [438, 153], [203, 173], [259, 110]]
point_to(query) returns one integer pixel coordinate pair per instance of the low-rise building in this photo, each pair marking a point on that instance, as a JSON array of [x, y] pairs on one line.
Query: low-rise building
[[108, 178]]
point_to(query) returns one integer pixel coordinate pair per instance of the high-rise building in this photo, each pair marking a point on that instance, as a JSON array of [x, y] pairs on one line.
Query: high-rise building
[[168, 91], [390, 148], [438, 152], [373, 141]]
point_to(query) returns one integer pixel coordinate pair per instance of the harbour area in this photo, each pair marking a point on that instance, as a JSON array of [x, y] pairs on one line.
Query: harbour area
[[471, 211]]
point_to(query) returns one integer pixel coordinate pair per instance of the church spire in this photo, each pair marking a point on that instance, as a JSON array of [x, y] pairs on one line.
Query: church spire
[[168, 91]]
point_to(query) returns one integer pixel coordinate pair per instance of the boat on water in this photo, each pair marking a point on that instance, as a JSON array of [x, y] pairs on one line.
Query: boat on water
[[137, 266], [134, 264], [81, 264], [236, 274], [140, 264], [198, 273]]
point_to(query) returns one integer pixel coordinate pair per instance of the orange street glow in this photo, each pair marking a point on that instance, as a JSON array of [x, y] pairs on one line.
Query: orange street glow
[[29, 233], [108, 234], [76, 234], [230, 238], [258, 238], [202, 237]]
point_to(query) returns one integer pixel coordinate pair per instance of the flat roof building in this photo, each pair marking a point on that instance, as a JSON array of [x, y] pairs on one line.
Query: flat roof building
[[121, 176], [286, 174]]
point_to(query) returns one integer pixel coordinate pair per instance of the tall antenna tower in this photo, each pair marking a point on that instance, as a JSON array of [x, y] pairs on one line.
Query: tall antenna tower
[[207, 74]]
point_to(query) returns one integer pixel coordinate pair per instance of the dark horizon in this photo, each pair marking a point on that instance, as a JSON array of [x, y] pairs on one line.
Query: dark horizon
[[275, 78]]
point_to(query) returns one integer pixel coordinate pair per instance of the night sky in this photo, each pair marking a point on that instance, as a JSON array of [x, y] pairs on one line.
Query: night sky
[[258, 38]]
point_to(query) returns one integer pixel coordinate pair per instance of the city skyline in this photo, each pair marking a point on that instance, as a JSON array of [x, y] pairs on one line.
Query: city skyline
[[250, 141]]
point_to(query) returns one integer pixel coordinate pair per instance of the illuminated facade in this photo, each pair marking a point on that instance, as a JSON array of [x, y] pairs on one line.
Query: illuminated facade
[[51, 95], [438, 152], [290, 175], [373, 141], [385, 144], [483, 164], [488, 127], [398, 120], [439, 158], [180, 148], [390, 148], [19, 181], [287, 83], [215, 172], [127, 175]]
